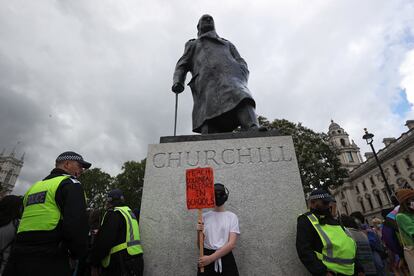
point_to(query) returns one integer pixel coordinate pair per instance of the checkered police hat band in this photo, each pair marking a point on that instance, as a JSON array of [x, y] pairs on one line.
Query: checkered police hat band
[[69, 157], [320, 196]]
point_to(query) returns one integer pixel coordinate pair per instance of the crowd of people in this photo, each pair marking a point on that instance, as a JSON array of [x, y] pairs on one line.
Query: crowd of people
[[331, 244], [50, 232]]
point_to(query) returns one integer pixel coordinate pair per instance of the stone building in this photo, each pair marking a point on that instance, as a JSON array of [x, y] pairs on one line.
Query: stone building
[[10, 167], [364, 189]]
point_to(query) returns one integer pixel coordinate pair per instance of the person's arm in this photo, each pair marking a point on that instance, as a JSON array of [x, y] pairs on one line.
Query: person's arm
[[223, 251], [374, 241], [406, 224], [182, 67], [72, 203], [106, 237], [238, 57], [305, 234]]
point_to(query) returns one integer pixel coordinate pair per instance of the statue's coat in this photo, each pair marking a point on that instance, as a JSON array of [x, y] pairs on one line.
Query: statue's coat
[[219, 77]]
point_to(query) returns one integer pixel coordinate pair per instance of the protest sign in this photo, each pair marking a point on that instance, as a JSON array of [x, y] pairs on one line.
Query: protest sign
[[200, 194], [200, 188]]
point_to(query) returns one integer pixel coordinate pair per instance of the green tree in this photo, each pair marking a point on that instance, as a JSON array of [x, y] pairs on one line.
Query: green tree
[[96, 184], [131, 181], [318, 161]]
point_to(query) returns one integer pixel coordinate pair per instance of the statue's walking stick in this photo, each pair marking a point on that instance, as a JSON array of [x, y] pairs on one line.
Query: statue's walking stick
[[175, 119]]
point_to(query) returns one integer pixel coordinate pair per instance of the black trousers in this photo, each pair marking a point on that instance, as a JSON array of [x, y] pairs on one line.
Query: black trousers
[[37, 266], [125, 266], [228, 264]]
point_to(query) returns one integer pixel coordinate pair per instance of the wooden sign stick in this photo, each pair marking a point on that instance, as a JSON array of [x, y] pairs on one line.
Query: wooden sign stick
[[201, 237]]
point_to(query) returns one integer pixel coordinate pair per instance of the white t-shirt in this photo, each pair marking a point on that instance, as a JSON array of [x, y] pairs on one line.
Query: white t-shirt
[[217, 227]]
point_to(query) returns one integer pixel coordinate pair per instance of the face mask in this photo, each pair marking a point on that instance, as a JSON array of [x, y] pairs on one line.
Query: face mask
[[322, 212], [220, 199]]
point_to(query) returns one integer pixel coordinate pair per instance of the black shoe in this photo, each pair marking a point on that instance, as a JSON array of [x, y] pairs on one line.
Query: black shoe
[[257, 128]]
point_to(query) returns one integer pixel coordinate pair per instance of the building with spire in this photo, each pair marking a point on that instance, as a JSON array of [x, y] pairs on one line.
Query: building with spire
[[349, 154], [10, 167], [364, 189]]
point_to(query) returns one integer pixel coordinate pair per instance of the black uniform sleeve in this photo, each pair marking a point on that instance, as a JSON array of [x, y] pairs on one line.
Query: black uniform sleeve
[[71, 199], [106, 238], [305, 246]]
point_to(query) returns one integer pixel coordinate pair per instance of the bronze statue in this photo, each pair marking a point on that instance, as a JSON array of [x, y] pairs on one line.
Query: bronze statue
[[222, 101]]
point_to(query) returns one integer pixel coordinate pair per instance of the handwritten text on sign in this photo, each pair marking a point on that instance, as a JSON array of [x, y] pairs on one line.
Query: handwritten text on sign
[[200, 188]]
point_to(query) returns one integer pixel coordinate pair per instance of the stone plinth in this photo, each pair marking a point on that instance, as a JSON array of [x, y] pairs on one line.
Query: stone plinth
[[265, 193]]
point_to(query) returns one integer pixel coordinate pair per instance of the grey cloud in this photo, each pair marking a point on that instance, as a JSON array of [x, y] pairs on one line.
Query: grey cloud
[[95, 76]]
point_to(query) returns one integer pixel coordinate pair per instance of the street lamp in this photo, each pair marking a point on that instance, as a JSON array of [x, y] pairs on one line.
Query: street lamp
[[369, 138]]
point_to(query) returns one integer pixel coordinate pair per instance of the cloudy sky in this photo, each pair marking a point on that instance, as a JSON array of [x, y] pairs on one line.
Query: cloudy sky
[[95, 76]]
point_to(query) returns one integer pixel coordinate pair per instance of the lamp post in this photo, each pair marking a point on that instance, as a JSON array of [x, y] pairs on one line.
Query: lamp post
[[368, 137]]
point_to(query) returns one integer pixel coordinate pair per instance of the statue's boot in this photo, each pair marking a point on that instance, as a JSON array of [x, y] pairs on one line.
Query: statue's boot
[[248, 119]]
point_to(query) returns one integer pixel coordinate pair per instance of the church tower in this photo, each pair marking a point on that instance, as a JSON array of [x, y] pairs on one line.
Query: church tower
[[349, 153], [10, 167]]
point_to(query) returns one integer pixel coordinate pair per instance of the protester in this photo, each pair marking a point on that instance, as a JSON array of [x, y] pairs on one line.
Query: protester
[[360, 219], [95, 219], [221, 230], [392, 242], [405, 221], [333, 208], [321, 242], [54, 225], [117, 248], [377, 226], [10, 212], [378, 250], [364, 252]]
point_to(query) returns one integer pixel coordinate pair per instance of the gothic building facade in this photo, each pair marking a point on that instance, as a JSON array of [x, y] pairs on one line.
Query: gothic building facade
[[10, 167], [364, 190]]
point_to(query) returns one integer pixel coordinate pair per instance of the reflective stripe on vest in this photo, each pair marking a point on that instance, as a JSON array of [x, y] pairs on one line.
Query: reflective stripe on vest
[[132, 241], [41, 213], [338, 252]]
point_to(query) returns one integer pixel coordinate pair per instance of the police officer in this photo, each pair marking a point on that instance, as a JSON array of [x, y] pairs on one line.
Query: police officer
[[322, 244], [117, 248], [54, 224]]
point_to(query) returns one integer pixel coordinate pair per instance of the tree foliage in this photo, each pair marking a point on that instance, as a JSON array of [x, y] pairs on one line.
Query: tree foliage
[[96, 185], [318, 161], [131, 181]]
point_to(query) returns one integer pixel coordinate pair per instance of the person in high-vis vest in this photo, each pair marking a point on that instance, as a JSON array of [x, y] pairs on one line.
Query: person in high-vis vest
[[322, 244], [117, 248], [54, 224]]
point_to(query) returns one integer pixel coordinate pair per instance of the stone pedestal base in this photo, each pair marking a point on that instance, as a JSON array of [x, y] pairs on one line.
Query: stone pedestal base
[[265, 193]]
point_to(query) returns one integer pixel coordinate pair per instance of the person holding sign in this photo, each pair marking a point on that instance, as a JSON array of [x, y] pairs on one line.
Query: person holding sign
[[221, 229]]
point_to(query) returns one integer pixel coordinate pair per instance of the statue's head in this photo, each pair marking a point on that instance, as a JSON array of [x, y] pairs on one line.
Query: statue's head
[[205, 24]]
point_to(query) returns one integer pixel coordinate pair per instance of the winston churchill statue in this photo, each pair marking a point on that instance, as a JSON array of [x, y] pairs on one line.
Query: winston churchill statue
[[222, 101]]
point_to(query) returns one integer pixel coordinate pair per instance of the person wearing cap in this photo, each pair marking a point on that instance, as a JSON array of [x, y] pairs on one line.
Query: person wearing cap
[[117, 248], [322, 244], [405, 222], [221, 230], [54, 224]]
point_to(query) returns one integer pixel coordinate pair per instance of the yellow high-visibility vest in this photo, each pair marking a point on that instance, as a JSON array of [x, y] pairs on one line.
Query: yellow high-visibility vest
[[40, 209], [339, 250], [132, 241]]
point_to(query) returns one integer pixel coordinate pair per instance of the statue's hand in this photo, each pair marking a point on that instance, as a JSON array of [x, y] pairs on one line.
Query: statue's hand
[[177, 88]]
